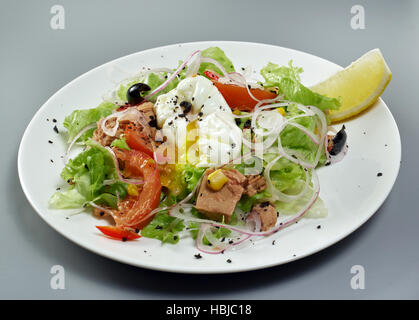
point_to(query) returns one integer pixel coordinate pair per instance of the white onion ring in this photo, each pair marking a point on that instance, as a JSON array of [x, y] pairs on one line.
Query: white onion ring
[[82, 131], [278, 195]]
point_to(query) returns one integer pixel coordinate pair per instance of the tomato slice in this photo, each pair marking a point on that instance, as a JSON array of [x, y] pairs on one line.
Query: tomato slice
[[137, 139], [211, 75], [135, 211], [238, 98], [118, 233]]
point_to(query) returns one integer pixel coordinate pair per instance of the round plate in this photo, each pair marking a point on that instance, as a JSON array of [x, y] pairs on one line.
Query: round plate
[[351, 189]]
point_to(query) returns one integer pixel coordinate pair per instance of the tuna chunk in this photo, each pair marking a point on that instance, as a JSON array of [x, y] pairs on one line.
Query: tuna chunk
[[254, 184], [147, 109], [218, 204], [267, 214]]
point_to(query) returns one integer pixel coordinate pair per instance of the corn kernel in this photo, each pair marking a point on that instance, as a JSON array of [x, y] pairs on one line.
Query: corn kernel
[[132, 190], [281, 111], [217, 180], [236, 112]]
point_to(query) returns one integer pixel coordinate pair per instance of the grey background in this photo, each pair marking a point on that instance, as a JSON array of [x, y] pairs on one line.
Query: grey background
[[35, 61]]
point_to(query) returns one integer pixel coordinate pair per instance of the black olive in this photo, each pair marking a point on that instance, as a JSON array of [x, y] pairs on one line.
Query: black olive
[[339, 142], [134, 93]]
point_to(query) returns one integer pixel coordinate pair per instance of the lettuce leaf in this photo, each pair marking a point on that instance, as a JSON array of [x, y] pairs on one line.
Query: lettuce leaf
[[246, 203], [287, 80], [191, 176], [79, 119], [164, 228], [86, 173], [69, 199], [217, 54], [120, 143]]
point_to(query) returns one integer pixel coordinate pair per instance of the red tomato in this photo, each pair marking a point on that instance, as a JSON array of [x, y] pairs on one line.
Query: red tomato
[[118, 233], [137, 139], [237, 97], [135, 211], [212, 75]]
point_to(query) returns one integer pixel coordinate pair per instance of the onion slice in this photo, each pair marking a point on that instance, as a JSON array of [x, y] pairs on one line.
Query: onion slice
[[82, 131]]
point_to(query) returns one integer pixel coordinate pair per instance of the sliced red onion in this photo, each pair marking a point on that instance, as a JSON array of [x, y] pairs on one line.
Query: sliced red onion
[[255, 218], [173, 76], [217, 246], [131, 114], [217, 64], [194, 66]]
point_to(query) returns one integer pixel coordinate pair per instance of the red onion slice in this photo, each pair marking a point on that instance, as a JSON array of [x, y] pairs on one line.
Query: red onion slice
[[170, 79]]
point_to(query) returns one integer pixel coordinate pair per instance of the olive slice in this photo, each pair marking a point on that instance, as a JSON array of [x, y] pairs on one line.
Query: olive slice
[[134, 93], [339, 142]]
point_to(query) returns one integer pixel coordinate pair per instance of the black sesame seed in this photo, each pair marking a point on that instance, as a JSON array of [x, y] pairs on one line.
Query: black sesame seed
[[124, 239], [198, 256], [379, 174], [49, 141], [228, 260], [56, 129], [319, 226]]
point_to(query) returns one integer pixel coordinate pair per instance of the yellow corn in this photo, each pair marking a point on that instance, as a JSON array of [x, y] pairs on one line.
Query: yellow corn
[[236, 112], [217, 180], [132, 190], [281, 111]]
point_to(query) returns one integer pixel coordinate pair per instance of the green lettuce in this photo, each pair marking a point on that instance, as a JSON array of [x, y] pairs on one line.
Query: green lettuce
[[287, 80], [120, 143], [296, 142], [246, 203], [217, 54], [79, 119], [164, 228], [191, 176], [86, 174]]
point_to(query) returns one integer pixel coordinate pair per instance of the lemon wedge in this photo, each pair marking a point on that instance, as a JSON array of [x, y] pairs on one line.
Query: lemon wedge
[[359, 85]]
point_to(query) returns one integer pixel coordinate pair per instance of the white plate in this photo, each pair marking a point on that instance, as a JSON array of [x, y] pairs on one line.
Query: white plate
[[351, 189]]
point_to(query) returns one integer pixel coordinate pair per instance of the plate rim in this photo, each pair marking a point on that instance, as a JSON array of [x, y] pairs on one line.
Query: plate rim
[[191, 270]]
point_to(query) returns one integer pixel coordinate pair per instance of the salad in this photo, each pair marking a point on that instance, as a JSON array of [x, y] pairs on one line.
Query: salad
[[202, 150]]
